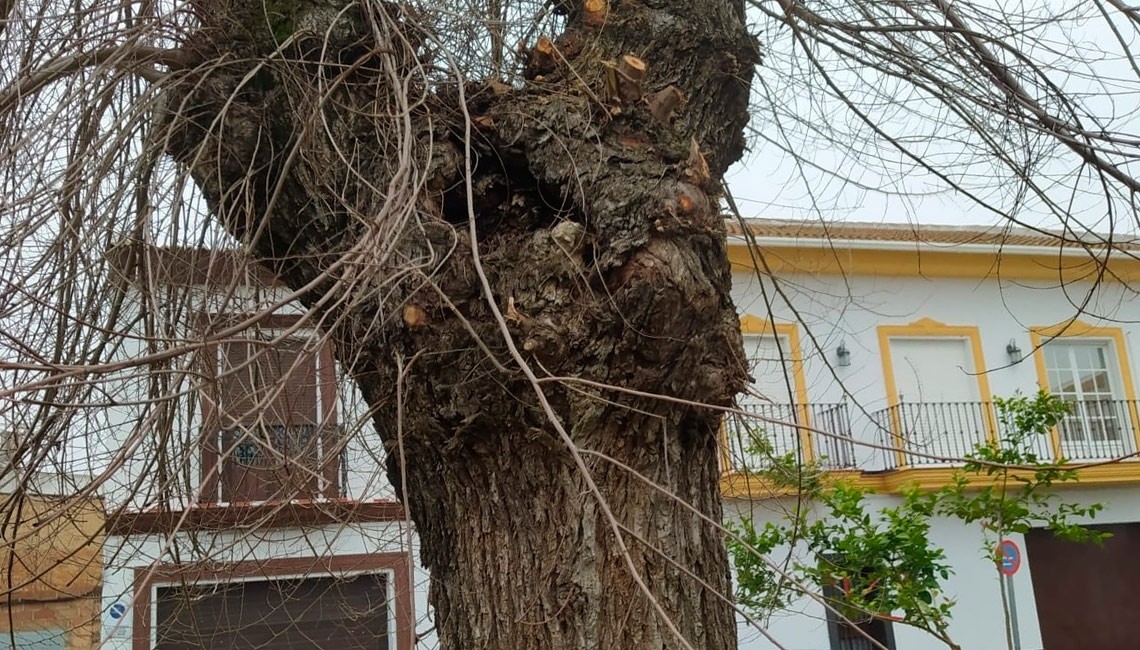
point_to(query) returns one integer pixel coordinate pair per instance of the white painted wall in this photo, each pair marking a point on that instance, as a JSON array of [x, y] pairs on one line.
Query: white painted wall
[[832, 309], [114, 448], [977, 622]]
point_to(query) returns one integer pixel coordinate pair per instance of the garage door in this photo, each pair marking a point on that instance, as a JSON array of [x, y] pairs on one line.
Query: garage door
[[311, 613], [1086, 594]]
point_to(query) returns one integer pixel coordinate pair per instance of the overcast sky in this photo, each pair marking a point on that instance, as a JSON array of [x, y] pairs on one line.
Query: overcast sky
[[845, 171]]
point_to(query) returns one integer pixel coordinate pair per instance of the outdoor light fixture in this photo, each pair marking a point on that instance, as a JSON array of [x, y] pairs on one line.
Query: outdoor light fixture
[[843, 354], [1013, 351]]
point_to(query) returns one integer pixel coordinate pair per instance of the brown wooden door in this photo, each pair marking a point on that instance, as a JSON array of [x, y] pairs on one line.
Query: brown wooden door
[[1086, 594], [276, 437], [288, 614], [274, 383]]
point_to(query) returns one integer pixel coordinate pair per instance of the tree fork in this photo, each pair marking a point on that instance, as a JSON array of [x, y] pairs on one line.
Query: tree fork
[[634, 293]]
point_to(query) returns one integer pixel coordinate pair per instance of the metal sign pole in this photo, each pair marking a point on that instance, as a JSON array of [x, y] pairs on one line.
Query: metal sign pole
[[1012, 612], [1009, 561]]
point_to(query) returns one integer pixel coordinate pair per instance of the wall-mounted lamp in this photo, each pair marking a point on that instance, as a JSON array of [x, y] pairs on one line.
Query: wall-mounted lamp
[[843, 355], [1013, 351]]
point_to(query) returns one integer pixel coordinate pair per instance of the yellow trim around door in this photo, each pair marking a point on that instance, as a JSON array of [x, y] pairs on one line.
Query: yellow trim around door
[[928, 328]]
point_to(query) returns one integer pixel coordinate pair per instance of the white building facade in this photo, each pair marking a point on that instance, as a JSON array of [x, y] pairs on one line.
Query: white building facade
[[248, 505], [896, 340]]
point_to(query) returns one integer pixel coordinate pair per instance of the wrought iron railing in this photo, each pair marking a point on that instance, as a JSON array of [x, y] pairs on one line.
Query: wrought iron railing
[[280, 462], [832, 443], [1098, 430], [775, 430], [941, 433], [933, 433]]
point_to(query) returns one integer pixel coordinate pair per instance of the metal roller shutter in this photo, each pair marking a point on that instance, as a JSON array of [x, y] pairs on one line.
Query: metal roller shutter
[[311, 613]]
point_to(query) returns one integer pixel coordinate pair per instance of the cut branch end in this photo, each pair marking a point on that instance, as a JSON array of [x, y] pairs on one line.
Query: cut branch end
[[665, 102], [630, 74], [594, 12]]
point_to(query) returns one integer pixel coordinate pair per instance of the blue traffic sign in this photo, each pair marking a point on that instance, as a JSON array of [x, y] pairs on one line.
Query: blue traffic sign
[[117, 611], [1009, 557]]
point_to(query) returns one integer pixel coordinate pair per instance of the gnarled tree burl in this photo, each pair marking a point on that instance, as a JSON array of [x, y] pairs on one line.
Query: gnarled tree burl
[[340, 142]]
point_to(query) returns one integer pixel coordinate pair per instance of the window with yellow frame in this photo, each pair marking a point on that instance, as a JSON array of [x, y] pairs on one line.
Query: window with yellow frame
[[1088, 367]]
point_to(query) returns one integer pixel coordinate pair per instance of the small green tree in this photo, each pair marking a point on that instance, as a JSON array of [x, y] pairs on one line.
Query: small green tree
[[1004, 487], [882, 562]]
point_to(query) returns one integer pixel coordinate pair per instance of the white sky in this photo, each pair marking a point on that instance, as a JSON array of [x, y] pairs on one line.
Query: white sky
[[858, 177]]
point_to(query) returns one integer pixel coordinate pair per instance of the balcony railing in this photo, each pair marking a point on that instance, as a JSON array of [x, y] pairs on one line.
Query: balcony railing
[[932, 433], [1099, 430], [781, 429], [831, 436], [278, 463], [942, 433], [919, 434]]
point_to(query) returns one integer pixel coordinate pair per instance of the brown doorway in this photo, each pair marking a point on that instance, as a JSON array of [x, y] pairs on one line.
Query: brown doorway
[[1086, 594]]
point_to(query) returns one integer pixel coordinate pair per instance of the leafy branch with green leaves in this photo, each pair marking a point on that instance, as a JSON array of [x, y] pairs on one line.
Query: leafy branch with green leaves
[[882, 563]]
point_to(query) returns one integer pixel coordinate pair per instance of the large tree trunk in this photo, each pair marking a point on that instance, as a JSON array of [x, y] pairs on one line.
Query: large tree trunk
[[342, 165]]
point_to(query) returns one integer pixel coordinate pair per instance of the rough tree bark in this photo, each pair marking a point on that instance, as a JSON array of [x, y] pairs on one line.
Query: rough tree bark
[[594, 200]]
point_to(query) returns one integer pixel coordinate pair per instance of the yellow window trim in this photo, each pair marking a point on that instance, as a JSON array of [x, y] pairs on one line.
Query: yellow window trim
[[948, 263], [1075, 328], [929, 328], [755, 326]]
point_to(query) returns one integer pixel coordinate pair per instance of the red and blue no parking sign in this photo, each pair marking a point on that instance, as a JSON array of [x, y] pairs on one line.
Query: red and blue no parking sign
[[1009, 557]]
